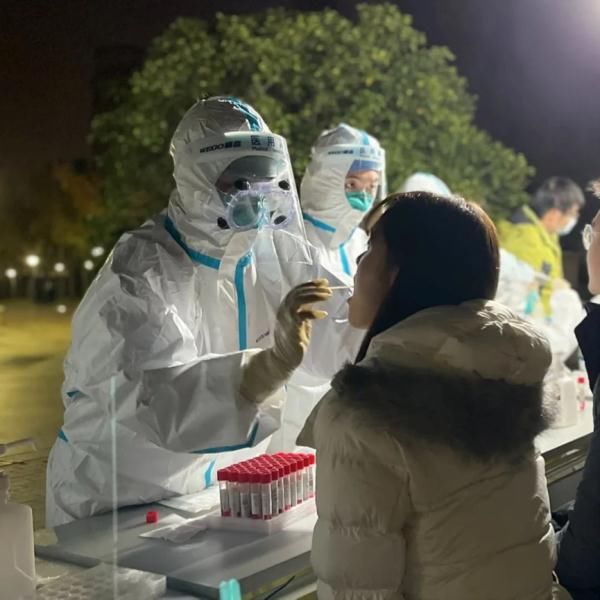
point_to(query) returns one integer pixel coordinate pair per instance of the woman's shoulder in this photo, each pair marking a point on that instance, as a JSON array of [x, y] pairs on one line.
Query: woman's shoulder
[[336, 428], [479, 418]]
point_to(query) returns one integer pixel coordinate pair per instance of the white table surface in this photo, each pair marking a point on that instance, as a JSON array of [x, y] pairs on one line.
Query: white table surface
[[556, 437]]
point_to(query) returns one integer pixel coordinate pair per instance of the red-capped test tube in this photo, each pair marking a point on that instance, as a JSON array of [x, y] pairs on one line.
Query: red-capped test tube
[[234, 491], [223, 479], [311, 476], [293, 480], [280, 487], [274, 473], [299, 477], [266, 481], [244, 485], [305, 477], [287, 498], [255, 494], [273, 470]]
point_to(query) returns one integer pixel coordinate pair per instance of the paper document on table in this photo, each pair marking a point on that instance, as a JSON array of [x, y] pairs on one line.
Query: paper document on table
[[178, 530], [203, 501]]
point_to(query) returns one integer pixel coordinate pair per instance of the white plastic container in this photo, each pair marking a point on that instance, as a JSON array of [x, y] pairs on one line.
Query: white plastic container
[[568, 410], [582, 389], [99, 583], [17, 560]]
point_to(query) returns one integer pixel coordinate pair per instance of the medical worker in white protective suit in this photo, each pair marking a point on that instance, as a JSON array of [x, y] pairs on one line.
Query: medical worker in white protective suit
[[518, 288], [345, 176], [162, 336]]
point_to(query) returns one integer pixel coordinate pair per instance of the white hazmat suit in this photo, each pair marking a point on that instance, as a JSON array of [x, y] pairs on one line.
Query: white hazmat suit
[[161, 337], [518, 287], [332, 224]]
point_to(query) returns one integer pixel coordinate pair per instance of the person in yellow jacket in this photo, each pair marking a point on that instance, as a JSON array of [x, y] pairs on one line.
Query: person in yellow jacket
[[532, 232]]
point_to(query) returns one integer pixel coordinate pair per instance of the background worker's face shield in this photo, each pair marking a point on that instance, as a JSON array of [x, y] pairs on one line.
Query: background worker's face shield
[[364, 183], [344, 179]]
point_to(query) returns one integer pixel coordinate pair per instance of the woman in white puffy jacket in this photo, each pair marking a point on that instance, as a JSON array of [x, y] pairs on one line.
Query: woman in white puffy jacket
[[428, 483]]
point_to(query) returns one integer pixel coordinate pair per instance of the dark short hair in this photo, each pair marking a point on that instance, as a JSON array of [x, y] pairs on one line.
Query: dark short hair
[[561, 193]]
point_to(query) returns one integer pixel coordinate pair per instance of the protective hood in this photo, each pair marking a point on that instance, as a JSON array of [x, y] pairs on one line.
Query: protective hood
[[212, 135], [324, 201], [425, 182]]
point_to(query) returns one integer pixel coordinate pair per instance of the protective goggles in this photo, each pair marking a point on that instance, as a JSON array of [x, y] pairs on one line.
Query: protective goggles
[[262, 205]]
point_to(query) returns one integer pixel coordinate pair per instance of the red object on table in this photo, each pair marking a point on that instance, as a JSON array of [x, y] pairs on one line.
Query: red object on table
[[152, 516]]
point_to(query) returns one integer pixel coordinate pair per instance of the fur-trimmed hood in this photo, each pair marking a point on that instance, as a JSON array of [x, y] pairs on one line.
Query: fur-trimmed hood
[[468, 377], [480, 418]]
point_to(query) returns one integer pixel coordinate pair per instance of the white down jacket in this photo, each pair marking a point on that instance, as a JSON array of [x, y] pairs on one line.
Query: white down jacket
[[429, 486]]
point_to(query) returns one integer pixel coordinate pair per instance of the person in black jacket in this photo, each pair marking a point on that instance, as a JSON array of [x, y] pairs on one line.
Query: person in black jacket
[[578, 566]]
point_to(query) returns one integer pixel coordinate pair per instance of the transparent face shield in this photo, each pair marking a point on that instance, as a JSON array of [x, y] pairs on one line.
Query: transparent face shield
[[257, 194], [255, 204], [260, 206], [365, 181]]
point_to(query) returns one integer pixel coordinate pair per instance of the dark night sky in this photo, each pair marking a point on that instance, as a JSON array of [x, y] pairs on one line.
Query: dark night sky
[[535, 65]]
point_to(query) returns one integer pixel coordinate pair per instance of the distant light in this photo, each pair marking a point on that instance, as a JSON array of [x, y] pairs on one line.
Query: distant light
[[88, 265], [32, 260], [61, 308], [11, 273], [59, 267], [97, 251]]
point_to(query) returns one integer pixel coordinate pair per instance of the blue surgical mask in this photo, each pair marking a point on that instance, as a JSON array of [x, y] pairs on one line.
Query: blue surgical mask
[[360, 200]]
